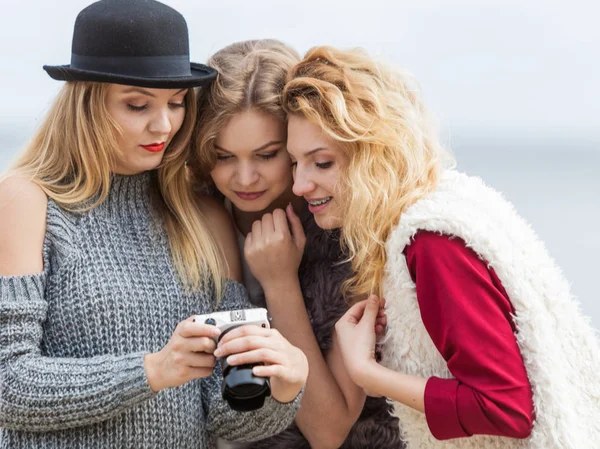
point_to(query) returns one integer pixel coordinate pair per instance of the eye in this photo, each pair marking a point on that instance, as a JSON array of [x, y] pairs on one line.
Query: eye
[[294, 164], [267, 156], [323, 165], [223, 157], [134, 108], [177, 105]]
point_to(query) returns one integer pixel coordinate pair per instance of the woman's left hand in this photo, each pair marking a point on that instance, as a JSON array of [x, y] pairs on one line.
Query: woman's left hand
[[272, 250], [285, 364], [357, 336]]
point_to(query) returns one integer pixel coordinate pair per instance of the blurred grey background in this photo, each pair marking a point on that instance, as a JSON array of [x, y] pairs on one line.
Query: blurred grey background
[[515, 86]]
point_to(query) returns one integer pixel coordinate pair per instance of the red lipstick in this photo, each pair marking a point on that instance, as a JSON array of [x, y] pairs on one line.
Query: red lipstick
[[154, 147]]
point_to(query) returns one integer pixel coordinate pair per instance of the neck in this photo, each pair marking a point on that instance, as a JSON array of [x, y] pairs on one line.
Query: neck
[[244, 220]]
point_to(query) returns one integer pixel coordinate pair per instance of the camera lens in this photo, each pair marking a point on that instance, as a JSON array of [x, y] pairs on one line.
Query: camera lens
[[240, 388], [210, 321], [243, 390]]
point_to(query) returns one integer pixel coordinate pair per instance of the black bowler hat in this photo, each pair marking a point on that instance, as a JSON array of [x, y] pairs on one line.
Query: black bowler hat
[[134, 42]]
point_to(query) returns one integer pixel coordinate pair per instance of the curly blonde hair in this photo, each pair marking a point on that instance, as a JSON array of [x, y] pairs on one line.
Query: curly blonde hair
[[72, 156], [395, 157], [252, 75]]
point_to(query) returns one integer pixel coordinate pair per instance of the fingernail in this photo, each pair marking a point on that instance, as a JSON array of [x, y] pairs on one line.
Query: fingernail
[[218, 353], [231, 359]]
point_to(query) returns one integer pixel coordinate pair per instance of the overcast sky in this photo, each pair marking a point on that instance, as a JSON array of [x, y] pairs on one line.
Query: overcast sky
[[490, 65]]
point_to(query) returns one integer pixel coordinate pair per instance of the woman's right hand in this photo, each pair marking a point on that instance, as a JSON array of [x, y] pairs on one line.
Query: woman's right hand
[[273, 250], [187, 356]]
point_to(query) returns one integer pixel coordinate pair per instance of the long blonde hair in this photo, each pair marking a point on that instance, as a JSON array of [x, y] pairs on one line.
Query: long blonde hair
[[251, 76], [394, 153], [71, 159]]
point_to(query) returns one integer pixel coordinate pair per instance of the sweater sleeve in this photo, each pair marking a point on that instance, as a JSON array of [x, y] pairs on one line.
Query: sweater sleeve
[[273, 418], [40, 393], [467, 313]]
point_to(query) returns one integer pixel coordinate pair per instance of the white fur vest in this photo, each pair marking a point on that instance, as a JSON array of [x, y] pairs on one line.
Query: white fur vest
[[559, 347]]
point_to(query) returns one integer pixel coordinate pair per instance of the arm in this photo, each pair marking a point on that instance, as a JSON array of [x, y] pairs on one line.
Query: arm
[[332, 402], [42, 393], [468, 316], [271, 419]]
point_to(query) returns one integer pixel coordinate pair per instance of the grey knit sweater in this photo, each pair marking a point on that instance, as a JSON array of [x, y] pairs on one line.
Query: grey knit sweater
[[73, 338]]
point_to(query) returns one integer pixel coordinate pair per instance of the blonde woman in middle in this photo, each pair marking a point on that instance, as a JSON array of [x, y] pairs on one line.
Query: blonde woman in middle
[[240, 152]]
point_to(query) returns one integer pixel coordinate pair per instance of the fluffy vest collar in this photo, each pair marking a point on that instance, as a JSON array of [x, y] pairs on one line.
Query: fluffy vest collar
[[558, 344]]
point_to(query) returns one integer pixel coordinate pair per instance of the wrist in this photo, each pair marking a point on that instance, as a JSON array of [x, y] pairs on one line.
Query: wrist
[[286, 394], [152, 372], [280, 284], [365, 376]]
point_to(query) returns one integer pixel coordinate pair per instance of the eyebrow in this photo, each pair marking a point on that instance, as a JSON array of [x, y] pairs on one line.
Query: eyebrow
[[262, 147], [316, 150], [147, 92]]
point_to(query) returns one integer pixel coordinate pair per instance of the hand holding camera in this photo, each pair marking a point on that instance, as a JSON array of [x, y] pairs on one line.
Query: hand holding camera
[[272, 356], [187, 356]]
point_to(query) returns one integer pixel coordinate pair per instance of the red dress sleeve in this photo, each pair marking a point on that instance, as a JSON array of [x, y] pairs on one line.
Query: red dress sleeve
[[467, 313]]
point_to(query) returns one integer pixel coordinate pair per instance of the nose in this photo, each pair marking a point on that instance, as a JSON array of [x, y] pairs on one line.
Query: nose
[[161, 123], [246, 174], [302, 183]]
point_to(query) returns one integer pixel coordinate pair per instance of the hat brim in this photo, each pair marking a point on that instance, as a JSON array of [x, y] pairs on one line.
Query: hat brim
[[201, 75]]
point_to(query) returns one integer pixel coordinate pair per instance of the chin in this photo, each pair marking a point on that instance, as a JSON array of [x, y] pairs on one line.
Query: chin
[[328, 222], [250, 206]]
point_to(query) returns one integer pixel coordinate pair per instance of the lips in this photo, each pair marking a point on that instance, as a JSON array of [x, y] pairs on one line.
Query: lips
[[316, 206], [249, 196], [154, 147]]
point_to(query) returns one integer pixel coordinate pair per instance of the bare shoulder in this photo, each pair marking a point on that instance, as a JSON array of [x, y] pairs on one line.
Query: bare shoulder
[[23, 206], [222, 228], [213, 209]]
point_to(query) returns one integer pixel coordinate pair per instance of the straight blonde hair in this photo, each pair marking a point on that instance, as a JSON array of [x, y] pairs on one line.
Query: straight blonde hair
[[394, 153], [72, 156]]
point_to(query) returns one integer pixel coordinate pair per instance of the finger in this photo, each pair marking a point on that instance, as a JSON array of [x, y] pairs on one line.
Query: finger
[[257, 230], [244, 331], [200, 360], [243, 344], [192, 327], [382, 321], [267, 224], [370, 312], [355, 313], [297, 229], [280, 223], [200, 373], [269, 371], [262, 355], [201, 344]]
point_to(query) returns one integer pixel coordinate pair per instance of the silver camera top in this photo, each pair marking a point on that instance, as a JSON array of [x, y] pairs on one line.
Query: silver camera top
[[234, 318]]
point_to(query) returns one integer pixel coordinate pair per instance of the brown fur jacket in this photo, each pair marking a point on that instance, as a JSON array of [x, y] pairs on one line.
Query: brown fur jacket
[[321, 276]]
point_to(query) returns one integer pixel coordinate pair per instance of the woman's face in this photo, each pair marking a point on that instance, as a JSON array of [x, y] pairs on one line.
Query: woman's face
[[252, 168], [148, 118], [318, 163]]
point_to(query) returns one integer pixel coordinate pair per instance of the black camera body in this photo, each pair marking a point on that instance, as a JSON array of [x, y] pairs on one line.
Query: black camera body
[[242, 390]]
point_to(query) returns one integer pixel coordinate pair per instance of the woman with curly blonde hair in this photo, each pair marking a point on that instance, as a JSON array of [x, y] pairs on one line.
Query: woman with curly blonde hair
[[240, 142], [484, 339]]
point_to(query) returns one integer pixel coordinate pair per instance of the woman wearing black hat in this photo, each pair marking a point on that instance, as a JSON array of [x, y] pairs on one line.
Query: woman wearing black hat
[[105, 253]]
